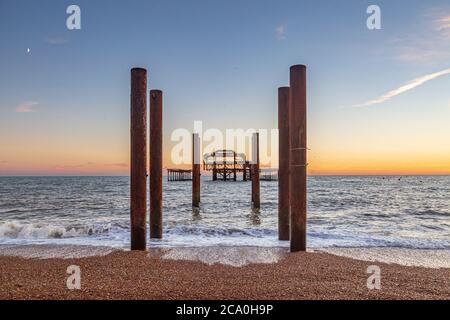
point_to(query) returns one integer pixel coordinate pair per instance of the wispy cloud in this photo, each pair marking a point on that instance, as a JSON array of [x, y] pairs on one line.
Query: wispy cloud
[[27, 106], [280, 32], [89, 165], [121, 165], [3, 162], [74, 166], [424, 48], [429, 42], [404, 88], [442, 23]]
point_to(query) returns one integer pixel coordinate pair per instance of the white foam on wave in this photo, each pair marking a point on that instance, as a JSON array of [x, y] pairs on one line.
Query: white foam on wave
[[233, 256], [238, 256], [54, 251], [45, 230], [407, 257]]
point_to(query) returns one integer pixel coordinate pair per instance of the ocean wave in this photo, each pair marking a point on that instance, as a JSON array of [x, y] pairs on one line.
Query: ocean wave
[[220, 231], [326, 239], [342, 212], [39, 230], [117, 234], [54, 251], [429, 212]]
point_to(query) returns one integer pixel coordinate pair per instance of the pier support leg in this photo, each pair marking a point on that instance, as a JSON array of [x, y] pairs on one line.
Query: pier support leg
[[255, 171], [297, 133], [283, 166], [138, 159], [156, 164], [195, 170], [234, 167]]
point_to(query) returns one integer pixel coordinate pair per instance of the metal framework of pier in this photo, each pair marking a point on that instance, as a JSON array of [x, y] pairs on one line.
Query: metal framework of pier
[[292, 200], [179, 175], [226, 164]]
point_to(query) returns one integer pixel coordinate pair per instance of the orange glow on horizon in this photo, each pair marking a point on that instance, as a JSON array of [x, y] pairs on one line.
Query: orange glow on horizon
[[317, 166], [62, 157]]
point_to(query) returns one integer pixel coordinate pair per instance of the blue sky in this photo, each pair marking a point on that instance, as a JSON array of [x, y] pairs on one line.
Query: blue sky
[[220, 62]]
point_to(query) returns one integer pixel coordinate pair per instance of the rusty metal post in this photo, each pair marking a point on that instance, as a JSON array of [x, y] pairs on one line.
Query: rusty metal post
[[138, 158], [298, 146], [255, 172], [283, 163], [156, 102], [234, 166], [195, 170]]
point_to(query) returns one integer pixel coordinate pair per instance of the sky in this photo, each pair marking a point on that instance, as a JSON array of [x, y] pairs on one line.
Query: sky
[[378, 100]]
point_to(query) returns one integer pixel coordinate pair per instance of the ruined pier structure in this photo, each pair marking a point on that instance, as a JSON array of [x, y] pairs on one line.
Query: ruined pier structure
[[226, 164], [179, 175], [292, 201]]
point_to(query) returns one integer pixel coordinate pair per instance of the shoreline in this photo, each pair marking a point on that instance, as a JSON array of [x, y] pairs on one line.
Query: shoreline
[[178, 273], [409, 257]]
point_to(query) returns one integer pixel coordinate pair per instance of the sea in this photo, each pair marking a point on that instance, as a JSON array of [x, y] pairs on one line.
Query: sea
[[411, 212]]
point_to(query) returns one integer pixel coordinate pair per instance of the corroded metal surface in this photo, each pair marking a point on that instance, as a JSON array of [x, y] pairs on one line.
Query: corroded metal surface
[[156, 164], [138, 168], [283, 163], [297, 132]]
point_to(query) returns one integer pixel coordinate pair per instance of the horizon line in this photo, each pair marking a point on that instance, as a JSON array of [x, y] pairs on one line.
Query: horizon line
[[309, 175]]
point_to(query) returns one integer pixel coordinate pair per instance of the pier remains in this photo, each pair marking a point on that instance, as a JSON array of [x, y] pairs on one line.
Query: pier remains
[[226, 164], [179, 175]]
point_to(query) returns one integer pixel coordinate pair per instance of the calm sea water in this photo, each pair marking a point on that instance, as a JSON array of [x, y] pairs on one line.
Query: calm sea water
[[407, 212]]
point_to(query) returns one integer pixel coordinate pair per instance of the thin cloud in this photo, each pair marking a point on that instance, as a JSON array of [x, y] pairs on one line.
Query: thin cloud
[[429, 42], [442, 23], [421, 55], [4, 162], [122, 165], [427, 47], [280, 32], [75, 166], [88, 165], [26, 107], [442, 26], [404, 88]]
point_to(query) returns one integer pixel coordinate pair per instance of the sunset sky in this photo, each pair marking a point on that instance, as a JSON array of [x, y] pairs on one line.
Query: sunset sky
[[378, 100]]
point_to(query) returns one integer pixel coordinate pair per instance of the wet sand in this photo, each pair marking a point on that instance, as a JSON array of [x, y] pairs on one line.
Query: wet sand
[[147, 275]]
